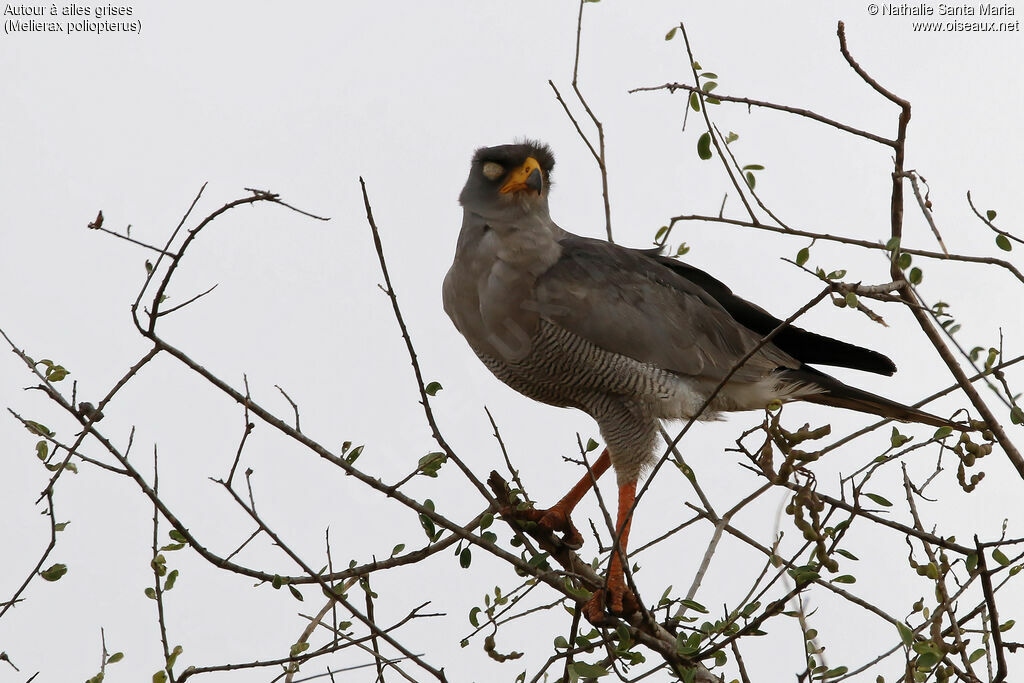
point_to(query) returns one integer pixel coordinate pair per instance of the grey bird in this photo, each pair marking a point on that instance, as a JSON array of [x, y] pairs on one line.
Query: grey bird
[[626, 335]]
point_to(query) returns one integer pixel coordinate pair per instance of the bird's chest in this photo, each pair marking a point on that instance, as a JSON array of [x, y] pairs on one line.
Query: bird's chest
[[566, 370]]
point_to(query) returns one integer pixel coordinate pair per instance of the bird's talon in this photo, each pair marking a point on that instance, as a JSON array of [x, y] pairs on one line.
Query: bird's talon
[[619, 601], [553, 520]]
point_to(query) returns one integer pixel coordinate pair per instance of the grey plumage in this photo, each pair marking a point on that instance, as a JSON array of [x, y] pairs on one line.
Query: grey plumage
[[625, 335]]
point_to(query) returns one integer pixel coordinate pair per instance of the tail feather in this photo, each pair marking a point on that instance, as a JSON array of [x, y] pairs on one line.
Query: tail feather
[[839, 395]]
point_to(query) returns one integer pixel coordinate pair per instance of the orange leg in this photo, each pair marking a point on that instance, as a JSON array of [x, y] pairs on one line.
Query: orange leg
[[557, 517], [617, 596]]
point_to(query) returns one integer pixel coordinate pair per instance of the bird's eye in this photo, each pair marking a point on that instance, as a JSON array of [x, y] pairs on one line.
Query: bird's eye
[[493, 171]]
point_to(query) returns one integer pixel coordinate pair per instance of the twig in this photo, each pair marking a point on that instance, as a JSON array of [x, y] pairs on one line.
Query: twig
[[926, 207], [421, 386], [711, 129], [896, 223], [295, 407], [672, 87], [793, 232], [182, 305], [990, 602], [158, 590], [990, 224], [600, 157]]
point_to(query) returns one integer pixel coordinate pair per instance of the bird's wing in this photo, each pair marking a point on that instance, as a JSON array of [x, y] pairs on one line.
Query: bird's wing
[[625, 302], [805, 346]]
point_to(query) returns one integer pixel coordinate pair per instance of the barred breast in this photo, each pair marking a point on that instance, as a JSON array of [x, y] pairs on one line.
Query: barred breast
[[625, 397]]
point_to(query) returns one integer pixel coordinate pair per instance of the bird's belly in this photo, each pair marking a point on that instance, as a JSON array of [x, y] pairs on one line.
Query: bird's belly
[[563, 369]]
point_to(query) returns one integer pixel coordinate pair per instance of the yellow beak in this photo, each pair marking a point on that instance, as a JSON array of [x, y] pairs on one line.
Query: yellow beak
[[526, 177]]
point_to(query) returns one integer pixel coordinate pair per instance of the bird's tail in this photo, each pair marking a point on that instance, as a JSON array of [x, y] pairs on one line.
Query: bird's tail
[[839, 395]]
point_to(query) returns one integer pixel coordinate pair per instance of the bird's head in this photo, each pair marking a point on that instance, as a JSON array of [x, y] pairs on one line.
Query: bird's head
[[509, 181]]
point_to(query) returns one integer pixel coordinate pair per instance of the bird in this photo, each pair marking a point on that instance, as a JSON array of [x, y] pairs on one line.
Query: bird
[[629, 336]]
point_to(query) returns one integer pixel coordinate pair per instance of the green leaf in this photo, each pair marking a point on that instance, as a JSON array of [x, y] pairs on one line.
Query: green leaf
[[905, 260], [660, 233], [561, 643], [879, 499], [1016, 415], [704, 146], [591, 445], [851, 300], [683, 249], [173, 657], [991, 214], [708, 86], [430, 463], [753, 167], [972, 562], [928, 660], [177, 536], [60, 526], [694, 101], [803, 255], [575, 591], [37, 429], [160, 676], [150, 593], [295, 593], [433, 388], [353, 454], [54, 572], [694, 605], [916, 276], [170, 547], [115, 658], [897, 439], [848, 555], [172, 576], [731, 137], [845, 578], [751, 181], [538, 559], [397, 549], [486, 520], [906, 635], [942, 432], [298, 648], [1000, 557], [56, 373], [1006, 626], [1003, 243], [474, 617], [671, 34], [834, 673], [583, 670], [465, 557], [42, 450], [976, 655]]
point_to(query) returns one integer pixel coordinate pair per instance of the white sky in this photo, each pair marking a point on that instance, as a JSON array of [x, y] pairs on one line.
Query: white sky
[[304, 99]]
